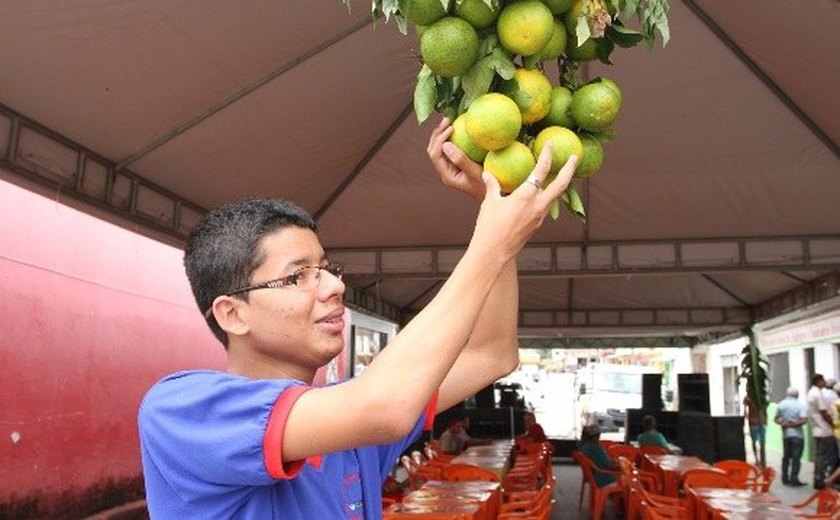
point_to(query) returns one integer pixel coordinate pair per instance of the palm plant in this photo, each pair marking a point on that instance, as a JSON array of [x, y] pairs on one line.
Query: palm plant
[[754, 371]]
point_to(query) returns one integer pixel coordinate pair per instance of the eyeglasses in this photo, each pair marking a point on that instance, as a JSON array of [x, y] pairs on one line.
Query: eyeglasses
[[305, 277]]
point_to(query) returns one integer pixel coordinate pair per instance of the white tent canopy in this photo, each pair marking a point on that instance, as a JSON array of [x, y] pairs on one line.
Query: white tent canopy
[[717, 204]]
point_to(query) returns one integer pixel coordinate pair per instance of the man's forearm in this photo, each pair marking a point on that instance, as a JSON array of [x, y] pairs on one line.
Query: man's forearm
[[492, 349]]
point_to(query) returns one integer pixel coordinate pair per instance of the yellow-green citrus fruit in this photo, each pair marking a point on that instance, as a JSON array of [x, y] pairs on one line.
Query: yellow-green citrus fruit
[[595, 106], [585, 52], [558, 112], [462, 140], [558, 6], [556, 45], [510, 165], [493, 121], [425, 12], [572, 15], [449, 46], [610, 83], [593, 156], [525, 27], [531, 91], [564, 144], [476, 12]]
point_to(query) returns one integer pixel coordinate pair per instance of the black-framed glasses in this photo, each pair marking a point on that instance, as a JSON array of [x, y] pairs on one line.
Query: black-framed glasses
[[304, 277]]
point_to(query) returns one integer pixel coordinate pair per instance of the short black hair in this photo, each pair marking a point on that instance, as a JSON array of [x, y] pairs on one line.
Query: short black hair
[[223, 250], [648, 422], [817, 378]]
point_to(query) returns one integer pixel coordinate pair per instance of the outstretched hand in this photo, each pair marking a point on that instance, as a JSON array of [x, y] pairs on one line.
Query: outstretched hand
[[452, 165]]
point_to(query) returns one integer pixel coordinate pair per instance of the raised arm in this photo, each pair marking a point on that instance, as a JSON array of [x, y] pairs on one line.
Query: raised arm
[[492, 350], [384, 402]]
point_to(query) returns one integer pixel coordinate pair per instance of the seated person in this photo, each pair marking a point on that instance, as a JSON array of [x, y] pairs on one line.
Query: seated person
[[650, 436], [533, 431], [451, 440], [590, 447], [455, 438]]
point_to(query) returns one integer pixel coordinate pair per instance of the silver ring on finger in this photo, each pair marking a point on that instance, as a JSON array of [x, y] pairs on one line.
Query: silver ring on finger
[[534, 181]]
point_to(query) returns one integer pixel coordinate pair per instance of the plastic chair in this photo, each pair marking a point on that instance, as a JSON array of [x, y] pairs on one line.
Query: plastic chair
[[706, 478], [418, 475], [827, 501], [624, 450], [464, 472], [739, 471], [763, 480], [664, 513], [598, 495], [389, 515], [537, 506], [653, 450]]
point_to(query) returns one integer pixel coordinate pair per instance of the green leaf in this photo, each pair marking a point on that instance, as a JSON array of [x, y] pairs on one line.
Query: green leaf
[[604, 49], [574, 203], [425, 94], [624, 37], [582, 31], [554, 209]]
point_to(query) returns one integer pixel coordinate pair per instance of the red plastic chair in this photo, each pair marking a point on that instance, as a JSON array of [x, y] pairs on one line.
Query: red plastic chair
[[465, 472], [827, 502], [598, 496], [763, 481], [709, 478], [741, 472], [624, 450], [653, 450]]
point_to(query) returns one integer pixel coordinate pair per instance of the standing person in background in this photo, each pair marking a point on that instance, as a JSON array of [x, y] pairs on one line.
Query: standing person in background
[[757, 421], [822, 429], [791, 416], [834, 410]]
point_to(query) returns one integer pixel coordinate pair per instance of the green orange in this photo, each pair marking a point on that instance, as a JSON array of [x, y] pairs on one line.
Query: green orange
[[510, 165], [531, 91], [449, 46], [595, 106], [525, 27], [493, 121], [462, 140], [564, 144], [592, 158]]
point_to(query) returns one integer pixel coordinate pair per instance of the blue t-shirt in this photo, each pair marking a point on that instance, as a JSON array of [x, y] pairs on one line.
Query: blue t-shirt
[[211, 448]]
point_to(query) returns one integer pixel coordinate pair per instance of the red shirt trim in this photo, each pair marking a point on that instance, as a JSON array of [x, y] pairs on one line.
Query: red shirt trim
[[431, 409], [273, 439]]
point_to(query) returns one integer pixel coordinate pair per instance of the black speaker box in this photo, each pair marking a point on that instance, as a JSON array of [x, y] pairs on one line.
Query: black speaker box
[[729, 437], [694, 393], [666, 423], [652, 392], [696, 435]]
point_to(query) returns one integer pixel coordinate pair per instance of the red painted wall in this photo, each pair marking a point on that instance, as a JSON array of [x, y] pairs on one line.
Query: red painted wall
[[90, 317]]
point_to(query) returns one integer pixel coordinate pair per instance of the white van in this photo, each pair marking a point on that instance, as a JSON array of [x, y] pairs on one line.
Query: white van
[[606, 391]]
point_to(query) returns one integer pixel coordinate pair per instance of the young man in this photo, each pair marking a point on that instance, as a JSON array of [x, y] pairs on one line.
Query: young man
[[257, 440], [757, 421], [822, 429]]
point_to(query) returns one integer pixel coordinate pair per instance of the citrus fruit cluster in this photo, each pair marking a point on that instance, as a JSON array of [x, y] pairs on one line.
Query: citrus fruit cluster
[[484, 66], [505, 123]]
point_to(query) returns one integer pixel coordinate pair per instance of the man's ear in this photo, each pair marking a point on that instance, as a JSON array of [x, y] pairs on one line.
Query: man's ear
[[226, 309]]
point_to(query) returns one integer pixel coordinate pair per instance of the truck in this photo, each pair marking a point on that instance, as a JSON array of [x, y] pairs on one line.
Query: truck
[[605, 391]]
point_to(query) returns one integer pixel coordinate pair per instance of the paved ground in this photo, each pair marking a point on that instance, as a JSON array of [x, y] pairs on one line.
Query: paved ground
[[569, 477]]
